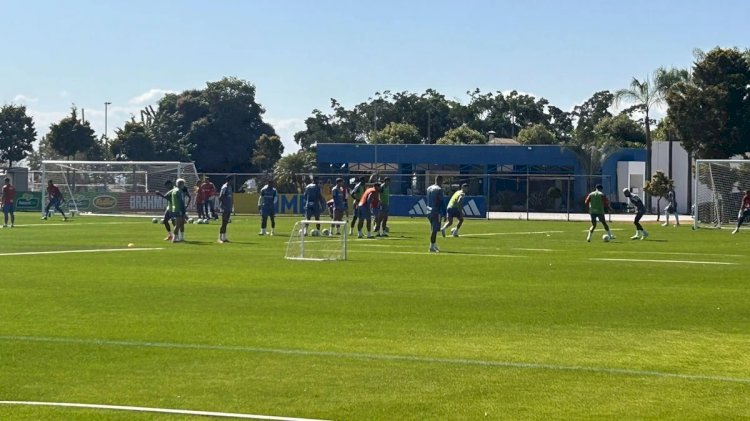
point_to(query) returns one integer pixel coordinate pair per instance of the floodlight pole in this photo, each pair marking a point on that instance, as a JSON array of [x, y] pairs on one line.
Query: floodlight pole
[[106, 137]]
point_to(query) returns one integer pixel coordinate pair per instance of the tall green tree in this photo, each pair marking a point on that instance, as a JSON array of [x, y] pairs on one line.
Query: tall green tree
[[536, 134], [267, 152], [71, 136], [620, 131], [588, 115], [134, 142], [711, 115], [17, 134], [462, 135], [397, 133], [217, 126]]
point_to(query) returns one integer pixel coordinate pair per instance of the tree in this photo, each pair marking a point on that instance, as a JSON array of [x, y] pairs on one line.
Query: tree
[[134, 142], [267, 152], [537, 134], [397, 133], [71, 136], [588, 115], [621, 131], [17, 134], [463, 135], [658, 186], [217, 126], [711, 115], [290, 171]]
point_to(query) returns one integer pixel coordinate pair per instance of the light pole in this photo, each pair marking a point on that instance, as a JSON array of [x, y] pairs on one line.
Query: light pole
[[106, 138]]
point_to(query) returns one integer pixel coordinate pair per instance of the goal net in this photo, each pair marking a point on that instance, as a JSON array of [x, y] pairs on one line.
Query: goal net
[[308, 242], [114, 187], [719, 188]]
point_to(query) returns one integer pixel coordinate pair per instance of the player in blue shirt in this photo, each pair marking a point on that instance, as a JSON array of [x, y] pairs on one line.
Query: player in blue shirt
[[314, 202], [435, 210], [338, 196], [267, 206]]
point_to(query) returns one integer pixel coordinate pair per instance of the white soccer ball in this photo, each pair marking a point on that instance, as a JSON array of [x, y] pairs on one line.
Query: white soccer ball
[[315, 233], [155, 220], [326, 232], [606, 238]]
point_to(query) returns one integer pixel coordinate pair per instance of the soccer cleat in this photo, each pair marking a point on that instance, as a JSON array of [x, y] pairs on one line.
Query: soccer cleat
[[359, 235], [384, 234], [454, 232], [433, 250], [645, 234], [44, 218], [635, 237], [735, 231], [369, 235], [169, 237], [665, 224]]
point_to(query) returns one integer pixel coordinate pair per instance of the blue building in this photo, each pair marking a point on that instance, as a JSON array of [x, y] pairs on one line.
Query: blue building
[[510, 177]]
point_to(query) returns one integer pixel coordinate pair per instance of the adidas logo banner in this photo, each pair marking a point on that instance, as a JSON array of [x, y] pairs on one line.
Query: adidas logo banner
[[415, 206]]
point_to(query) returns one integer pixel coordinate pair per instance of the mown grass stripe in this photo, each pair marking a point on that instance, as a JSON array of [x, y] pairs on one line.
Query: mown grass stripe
[[381, 357]]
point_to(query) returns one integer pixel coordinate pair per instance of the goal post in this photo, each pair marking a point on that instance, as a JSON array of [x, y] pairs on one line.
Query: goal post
[[307, 242], [719, 187], [114, 187]]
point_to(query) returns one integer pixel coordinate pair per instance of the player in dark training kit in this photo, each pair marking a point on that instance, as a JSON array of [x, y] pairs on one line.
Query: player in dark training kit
[[640, 209], [744, 211]]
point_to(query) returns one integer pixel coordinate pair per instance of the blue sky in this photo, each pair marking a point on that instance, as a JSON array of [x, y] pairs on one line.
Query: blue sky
[[299, 54]]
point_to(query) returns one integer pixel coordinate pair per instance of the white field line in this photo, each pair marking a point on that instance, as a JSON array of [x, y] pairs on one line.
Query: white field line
[[511, 233], [677, 253], [71, 223], [446, 253], [379, 357], [522, 249], [34, 253], [690, 262], [158, 410]]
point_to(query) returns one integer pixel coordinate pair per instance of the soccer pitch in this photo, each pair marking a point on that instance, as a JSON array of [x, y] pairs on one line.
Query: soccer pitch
[[512, 320]]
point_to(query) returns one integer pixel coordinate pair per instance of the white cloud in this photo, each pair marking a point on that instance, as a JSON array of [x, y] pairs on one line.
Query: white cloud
[[23, 99], [149, 97], [286, 128]]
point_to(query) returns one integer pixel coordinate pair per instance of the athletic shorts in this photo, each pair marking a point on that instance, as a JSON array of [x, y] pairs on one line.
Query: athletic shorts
[[670, 209], [266, 212], [384, 208], [338, 214], [9, 208], [744, 213], [312, 212], [168, 215], [363, 212], [599, 216], [434, 219], [454, 213]]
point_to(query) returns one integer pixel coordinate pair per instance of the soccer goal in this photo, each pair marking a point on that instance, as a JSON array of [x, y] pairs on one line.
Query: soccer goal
[[307, 242], [718, 191], [114, 187]]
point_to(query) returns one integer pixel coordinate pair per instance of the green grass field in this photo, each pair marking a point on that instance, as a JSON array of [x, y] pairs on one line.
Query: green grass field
[[513, 320]]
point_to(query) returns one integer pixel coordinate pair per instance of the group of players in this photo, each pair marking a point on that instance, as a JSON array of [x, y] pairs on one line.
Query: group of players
[[178, 199], [369, 202]]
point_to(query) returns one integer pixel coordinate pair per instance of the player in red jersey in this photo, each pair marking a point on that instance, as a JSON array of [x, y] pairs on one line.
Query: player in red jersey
[[55, 200], [744, 211]]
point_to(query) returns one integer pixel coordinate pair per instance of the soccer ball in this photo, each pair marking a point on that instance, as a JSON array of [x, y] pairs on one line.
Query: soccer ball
[[326, 232], [315, 233], [155, 220], [606, 238]]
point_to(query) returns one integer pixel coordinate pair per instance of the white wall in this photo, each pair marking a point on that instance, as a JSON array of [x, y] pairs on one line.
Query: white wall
[[680, 171], [628, 171]]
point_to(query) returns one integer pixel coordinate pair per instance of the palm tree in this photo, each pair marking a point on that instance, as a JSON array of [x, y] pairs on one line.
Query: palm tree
[[291, 170], [648, 94]]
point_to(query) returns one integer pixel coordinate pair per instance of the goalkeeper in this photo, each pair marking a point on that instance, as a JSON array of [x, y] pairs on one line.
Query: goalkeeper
[[744, 211]]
